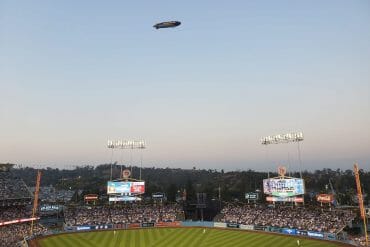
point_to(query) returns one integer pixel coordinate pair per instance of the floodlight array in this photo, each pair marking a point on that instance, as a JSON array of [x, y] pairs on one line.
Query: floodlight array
[[124, 144], [282, 138]]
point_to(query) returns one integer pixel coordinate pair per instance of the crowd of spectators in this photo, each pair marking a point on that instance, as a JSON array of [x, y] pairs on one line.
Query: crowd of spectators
[[14, 212], [358, 240], [302, 218], [120, 214], [51, 194], [12, 187], [11, 235]]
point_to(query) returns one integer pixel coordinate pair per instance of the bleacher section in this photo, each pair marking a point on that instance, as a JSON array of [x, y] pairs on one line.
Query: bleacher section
[[13, 190]]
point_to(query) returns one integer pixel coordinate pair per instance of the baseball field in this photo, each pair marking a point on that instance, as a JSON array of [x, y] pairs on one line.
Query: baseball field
[[178, 237]]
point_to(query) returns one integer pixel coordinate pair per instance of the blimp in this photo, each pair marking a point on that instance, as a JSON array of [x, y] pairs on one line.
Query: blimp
[[167, 24]]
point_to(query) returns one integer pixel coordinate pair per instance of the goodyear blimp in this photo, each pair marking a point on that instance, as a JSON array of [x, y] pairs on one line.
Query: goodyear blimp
[[167, 24]]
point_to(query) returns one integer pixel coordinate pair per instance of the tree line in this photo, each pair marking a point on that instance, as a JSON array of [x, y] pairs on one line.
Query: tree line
[[231, 186]]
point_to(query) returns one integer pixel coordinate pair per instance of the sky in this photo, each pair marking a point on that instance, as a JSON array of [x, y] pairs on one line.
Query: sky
[[74, 74]]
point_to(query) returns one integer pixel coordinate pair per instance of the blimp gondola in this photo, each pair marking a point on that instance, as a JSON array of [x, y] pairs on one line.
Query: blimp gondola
[[167, 24]]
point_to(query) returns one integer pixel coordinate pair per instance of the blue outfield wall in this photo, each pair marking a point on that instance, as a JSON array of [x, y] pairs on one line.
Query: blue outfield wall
[[286, 231], [198, 223]]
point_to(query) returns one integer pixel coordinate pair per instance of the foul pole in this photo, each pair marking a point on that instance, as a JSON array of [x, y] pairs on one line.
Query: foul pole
[[36, 199], [361, 201]]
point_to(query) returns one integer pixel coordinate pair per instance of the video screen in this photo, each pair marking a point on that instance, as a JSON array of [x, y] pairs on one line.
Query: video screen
[[126, 188], [283, 187]]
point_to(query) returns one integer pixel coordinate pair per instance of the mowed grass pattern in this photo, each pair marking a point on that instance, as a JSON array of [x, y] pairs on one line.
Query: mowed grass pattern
[[177, 237]]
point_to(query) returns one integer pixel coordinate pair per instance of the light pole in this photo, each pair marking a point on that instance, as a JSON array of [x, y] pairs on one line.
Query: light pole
[[286, 138], [125, 144]]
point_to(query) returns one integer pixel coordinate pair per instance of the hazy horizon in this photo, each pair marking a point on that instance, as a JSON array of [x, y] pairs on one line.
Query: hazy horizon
[[73, 75]]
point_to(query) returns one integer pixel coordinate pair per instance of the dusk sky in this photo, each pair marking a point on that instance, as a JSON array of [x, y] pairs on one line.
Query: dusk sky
[[74, 74]]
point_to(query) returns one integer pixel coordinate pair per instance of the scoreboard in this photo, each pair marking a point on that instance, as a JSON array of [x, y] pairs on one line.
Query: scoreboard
[[283, 187], [125, 188]]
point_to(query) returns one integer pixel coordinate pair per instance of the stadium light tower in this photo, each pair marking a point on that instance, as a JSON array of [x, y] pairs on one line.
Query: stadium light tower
[[125, 144], [286, 138]]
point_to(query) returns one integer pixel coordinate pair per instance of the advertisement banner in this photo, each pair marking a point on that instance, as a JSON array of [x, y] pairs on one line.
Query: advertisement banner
[[91, 197], [286, 187], [147, 224], [69, 228], [232, 225], [48, 208], [126, 188], [134, 225], [246, 227], [325, 198], [260, 228], [197, 223], [330, 236], [83, 228], [315, 234], [124, 198], [251, 196], [158, 195], [301, 232], [175, 223], [120, 226], [137, 188], [289, 231], [284, 199], [274, 229], [219, 224]]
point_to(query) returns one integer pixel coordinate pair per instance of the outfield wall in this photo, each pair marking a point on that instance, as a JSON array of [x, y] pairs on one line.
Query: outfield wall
[[280, 230]]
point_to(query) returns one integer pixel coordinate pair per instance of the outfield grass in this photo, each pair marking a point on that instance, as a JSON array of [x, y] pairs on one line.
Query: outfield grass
[[178, 237]]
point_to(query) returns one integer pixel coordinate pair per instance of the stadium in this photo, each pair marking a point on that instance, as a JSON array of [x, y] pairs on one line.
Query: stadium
[[224, 93], [124, 216]]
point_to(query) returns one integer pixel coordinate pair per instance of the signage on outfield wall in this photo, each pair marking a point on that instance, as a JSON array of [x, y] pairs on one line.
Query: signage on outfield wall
[[175, 223], [147, 224], [315, 234], [119, 226], [331, 236], [232, 225], [289, 231], [300, 232], [246, 227], [87, 228], [260, 228], [219, 224], [133, 225], [274, 229], [83, 228], [101, 227], [70, 228]]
